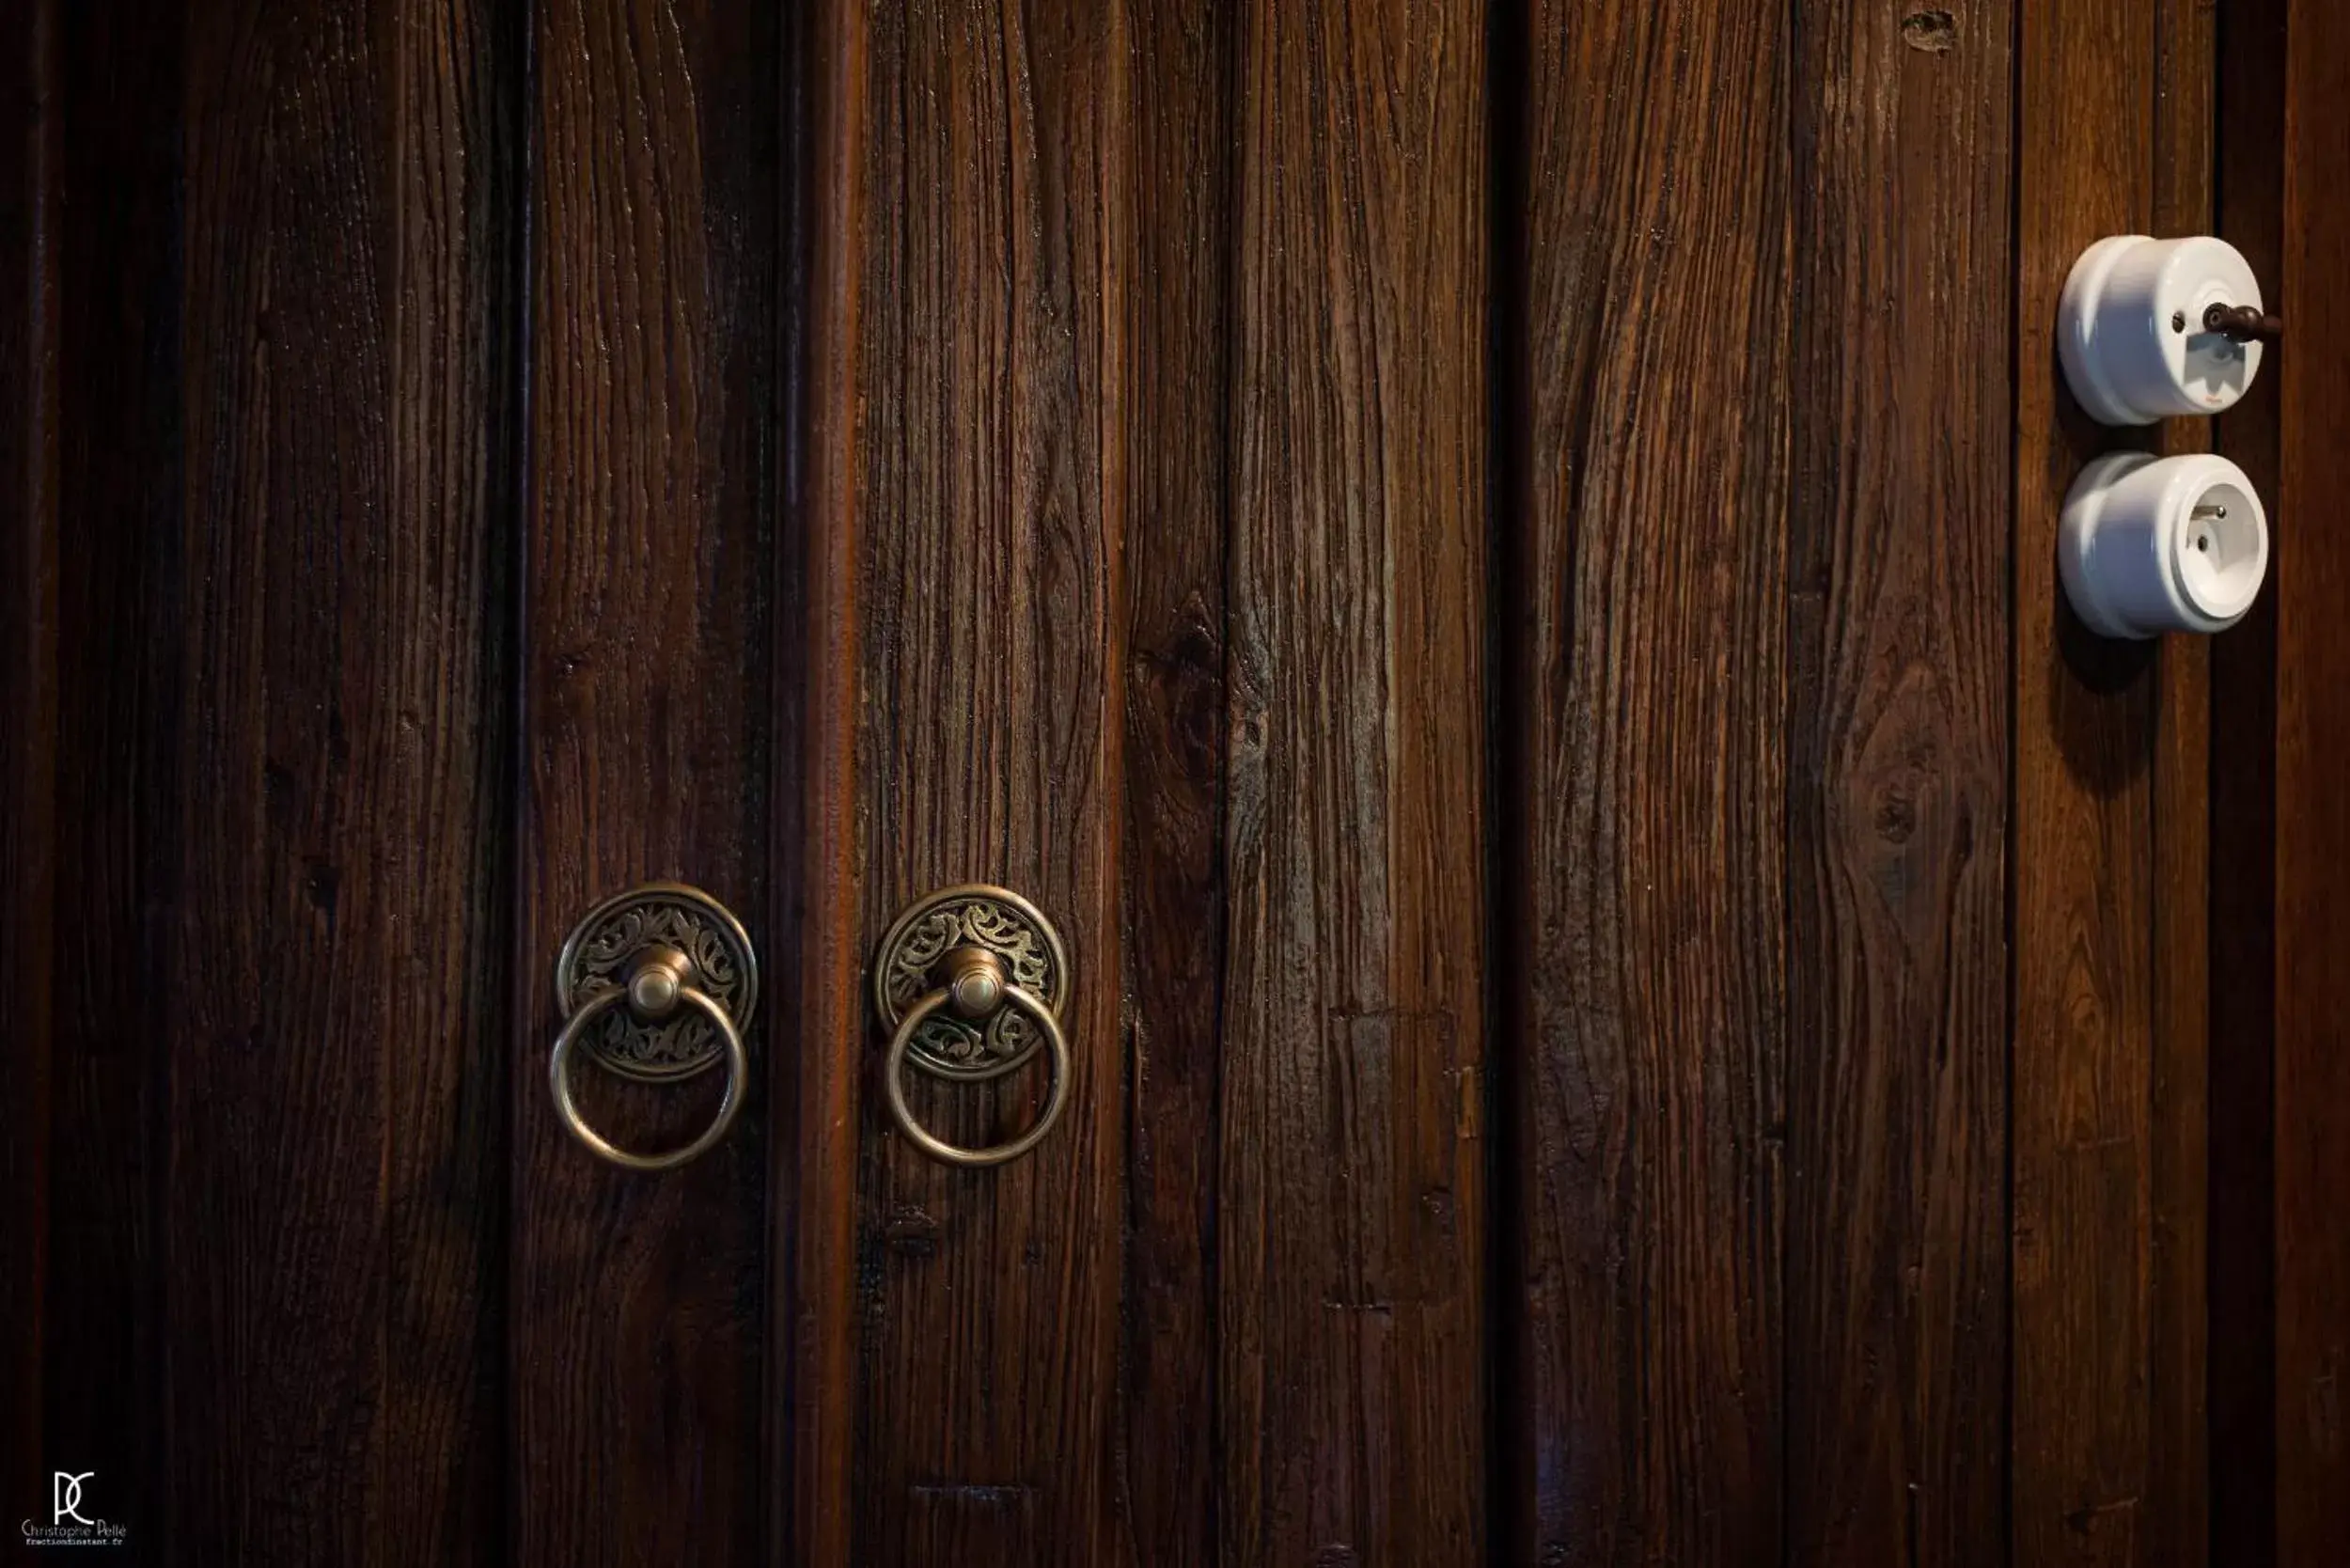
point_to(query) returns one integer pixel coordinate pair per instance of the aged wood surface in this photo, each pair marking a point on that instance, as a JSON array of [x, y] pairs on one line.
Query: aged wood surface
[[1137, 538], [1179, 356], [439, 765], [1647, 923], [2241, 1264], [2178, 1490], [820, 1015], [1896, 1075], [640, 1323], [992, 504], [335, 971], [2311, 580], [2084, 883], [1351, 1244]]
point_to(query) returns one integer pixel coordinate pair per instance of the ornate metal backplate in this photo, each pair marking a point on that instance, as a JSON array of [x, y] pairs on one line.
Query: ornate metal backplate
[[673, 914], [992, 917]]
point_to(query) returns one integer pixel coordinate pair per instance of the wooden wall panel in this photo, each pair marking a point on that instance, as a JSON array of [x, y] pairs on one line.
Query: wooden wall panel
[[1896, 1077], [334, 966], [2278, 1272], [1147, 536], [640, 1323], [2083, 804], [116, 109], [2178, 1341], [444, 940], [2311, 581], [1645, 910], [994, 436], [2108, 849], [2241, 1263], [1351, 1242], [30, 107], [1185, 106], [816, 954]]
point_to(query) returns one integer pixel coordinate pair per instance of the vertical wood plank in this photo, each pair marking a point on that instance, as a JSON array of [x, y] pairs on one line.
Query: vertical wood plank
[[1180, 348], [646, 665], [1351, 1248], [1901, 466], [1646, 925], [2313, 585], [817, 928], [2241, 1265], [2085, 883], [443, 936], [992, 353], [115, 757], [30, 108], [2178, 1455], [335, 963]]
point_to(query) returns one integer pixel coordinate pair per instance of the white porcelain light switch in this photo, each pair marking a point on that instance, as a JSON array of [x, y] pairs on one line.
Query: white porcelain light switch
[[2155, 329]]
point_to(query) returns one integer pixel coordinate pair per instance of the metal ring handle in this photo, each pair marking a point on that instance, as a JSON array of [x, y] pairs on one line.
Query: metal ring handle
[[596, 1006], [893, 1080]]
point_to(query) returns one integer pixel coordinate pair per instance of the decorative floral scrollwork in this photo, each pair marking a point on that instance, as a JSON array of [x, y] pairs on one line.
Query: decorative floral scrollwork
[[599, 954], [948, 1046]]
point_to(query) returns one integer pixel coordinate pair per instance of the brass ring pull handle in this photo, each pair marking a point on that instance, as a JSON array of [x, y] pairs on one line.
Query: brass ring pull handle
[[970, 984], [976, 987], [657, 984]]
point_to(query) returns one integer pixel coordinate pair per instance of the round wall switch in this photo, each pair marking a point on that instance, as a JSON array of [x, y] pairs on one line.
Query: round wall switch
[[2153, 545], [2152, 329]]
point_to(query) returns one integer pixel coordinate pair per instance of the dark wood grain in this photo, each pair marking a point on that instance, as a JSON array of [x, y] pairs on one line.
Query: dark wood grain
[[817, 932], [1184, 104], [30, 109], [1648, 925], [1351, 1245], [994, 359], [2178, 1453], [443, 936], [2241, 1263], [2084, 885], [1056, 444], [1173, 889], [1896, 1081], [640, 1327], [2312, 584], [335, 964]]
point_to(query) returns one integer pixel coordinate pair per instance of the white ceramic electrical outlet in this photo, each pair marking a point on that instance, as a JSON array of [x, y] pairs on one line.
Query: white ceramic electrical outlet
[[2153, 544], [2154, 329]]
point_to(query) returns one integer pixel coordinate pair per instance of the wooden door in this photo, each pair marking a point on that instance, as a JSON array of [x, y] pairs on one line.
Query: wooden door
[[1642, 992]]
